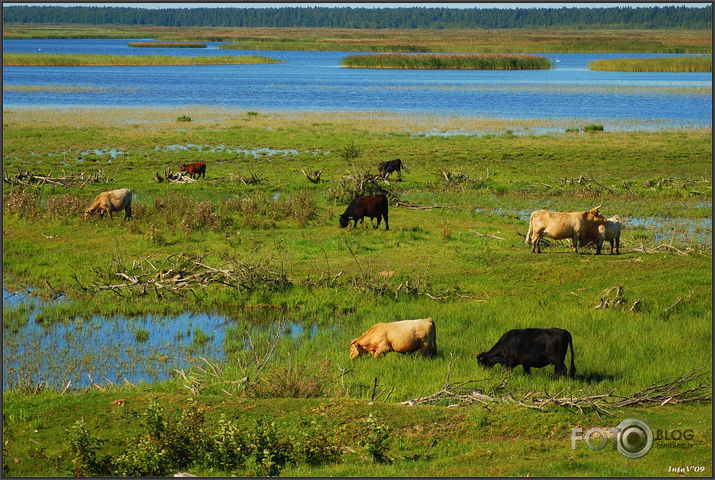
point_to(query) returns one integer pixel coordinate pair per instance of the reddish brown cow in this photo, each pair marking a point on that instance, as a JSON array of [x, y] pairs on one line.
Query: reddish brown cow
[[370, 206], [198, 169]]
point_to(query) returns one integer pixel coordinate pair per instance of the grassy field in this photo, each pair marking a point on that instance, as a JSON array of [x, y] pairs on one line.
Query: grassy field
[[78, 60], [668, 64], [414, 40], [448, 62], [462, 263]]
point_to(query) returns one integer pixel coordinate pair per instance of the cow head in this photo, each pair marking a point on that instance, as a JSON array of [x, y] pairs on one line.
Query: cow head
[[356, 349], [594, 214], [92, 210], [183, 168], [344, 220], [484, 360]]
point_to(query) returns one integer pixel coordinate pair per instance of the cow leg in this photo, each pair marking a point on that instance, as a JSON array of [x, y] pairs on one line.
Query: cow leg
[[535, 247], [611, 242], [110, 214], [560, 369], [384, 215], [618, 245], [379, 217], [128, 213], [527, 370], [574, 243]]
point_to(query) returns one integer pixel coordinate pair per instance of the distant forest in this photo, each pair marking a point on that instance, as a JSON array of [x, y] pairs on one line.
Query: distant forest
[[668, 17]]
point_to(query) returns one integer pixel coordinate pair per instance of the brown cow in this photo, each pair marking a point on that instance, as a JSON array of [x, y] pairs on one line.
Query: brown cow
[[198, 169], [580, 227], [112, 201], [404, 337], [369, 206]]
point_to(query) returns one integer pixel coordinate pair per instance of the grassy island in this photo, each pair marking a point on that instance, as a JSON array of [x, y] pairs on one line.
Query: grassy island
[[72, 60], [661, 64], [165, 45], [480, 61]]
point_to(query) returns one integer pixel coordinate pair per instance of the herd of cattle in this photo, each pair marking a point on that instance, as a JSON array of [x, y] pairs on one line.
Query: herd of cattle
[[530, 347]]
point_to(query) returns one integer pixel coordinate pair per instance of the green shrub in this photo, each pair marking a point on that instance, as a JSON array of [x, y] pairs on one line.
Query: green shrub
[[226, 449], [141, 335], [83, 446], [316, 446], [271, 453], [377, 440], [593, 128], [183, 118]]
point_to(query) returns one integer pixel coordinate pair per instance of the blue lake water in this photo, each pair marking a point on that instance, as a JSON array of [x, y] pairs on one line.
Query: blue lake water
[[101, 349], [315, 81]]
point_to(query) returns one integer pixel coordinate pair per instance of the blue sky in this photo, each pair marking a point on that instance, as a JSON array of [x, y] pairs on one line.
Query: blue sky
[[362, 5]]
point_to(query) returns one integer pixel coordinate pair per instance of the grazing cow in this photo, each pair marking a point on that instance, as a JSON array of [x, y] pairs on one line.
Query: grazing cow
[[198, 169], [386, 168], [370, 206], [578, 226], [112, 201], [531, 347], [404, 337]]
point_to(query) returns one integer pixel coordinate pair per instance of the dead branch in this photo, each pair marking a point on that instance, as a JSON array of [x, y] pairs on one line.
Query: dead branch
[[692, 386], [66, 180], [485, 235], [412, 206], [313, 176]]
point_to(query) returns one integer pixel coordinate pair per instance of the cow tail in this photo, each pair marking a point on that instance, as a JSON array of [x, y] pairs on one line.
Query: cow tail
[[528, 232], [572, 372]]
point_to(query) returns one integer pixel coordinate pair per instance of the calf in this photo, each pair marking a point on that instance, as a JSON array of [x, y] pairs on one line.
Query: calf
[[198, 169], [386, 168], [531, 347], [612, 231], [404, 337], [370, 206], [112, 201]]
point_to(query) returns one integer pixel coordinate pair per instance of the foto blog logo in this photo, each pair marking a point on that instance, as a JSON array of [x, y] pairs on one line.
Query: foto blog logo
[[633, 437]]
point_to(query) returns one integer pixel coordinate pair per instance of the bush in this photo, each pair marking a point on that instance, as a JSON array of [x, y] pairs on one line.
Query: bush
[[271, 453], [83, 450], [183, 118], [21, 202], [593, 128], [66, 206], [292, 381], [350, 152], [316, 447], [227, 449], [376, 442]]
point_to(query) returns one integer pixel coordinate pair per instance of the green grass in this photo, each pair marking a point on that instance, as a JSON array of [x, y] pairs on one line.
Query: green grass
[[408, 40], [166, 45], [666, 174], [660, 64], [76, 60], [448, 62]]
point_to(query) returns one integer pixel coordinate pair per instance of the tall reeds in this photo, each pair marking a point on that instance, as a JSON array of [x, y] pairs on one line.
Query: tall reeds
[[479, 61], [78, 60], [660, 64], [166, 45]]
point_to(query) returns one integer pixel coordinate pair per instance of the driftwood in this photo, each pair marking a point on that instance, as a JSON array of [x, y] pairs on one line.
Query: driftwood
[[313, 176], [64, 180], [173, 177], [251, 179], [693, 386], [684, 251], [182, 273], [412, 206]]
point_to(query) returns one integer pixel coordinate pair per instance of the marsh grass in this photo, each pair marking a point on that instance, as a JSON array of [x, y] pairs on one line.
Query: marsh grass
[[493, 61], [78, 60], [166, 45], [659, 64], [417, 40]]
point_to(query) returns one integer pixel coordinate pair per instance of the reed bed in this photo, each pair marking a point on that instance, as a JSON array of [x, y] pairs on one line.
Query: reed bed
[[482, 61], [165, 45], [666, 64], [79, 60]]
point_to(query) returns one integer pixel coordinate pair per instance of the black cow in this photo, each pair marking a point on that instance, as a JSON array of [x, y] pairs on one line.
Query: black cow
[[386, 168], [531, 347], [370, 206]]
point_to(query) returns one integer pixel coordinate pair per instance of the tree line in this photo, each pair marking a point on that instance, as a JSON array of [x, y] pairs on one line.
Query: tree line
[[667, 17]]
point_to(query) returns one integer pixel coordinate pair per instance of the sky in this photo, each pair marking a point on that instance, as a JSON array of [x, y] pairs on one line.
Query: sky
[[363, 5]]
